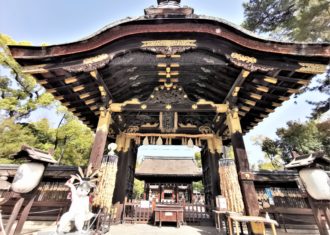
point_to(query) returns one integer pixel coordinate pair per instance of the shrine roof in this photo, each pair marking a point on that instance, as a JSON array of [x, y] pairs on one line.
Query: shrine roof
[[168, 167], [176, 62]]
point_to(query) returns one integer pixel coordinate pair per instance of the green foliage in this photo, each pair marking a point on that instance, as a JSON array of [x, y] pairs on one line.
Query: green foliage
[[74, 138], [267, 15], [300, 137], [272, 151], [268, 166], [198, 159], [138, 189], [12, 137], [298, 20], [295, 20], [198, 186], [324, 133], [21, 95], [19, 92]]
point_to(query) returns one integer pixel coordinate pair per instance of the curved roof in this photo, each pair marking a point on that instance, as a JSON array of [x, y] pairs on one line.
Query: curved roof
[[153, 167], [168, 56]]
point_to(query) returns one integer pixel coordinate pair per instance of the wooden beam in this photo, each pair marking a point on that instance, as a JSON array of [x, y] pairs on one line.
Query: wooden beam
[[237, 84], [95, 74], [45, 68]]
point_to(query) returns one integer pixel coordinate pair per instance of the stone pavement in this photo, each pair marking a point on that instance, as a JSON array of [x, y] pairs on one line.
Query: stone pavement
[[144, 229]]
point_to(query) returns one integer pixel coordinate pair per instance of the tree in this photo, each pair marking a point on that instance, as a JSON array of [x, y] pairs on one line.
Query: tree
[[298, 20], [12, 137], [300, 137], [294, 20], [198, 159], [270, 147], [198, 186], [19, 92], [76, 140], [20, 96], [138, 189], [324, 133], [74, 137], [272, 153]]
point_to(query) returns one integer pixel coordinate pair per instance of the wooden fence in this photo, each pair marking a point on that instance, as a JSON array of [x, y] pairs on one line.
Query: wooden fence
[[198, 214], [193, 214]]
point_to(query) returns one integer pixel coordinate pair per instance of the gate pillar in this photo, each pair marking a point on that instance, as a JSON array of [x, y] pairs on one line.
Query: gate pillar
[[100, 138], [245, 177], [126, 169]]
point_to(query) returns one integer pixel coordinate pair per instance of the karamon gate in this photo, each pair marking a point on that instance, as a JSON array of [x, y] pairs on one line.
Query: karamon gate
[[173, 76]]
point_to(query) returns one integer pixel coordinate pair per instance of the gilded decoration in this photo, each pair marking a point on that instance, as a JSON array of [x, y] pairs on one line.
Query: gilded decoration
[[312, 68], [243, 58], [169, 43], [247, 62], [90, 64], [168, 47], [233, 121]]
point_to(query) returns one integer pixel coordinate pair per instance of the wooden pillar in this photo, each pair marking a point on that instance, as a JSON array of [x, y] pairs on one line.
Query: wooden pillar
[[100, 138], [321, 214], [125, 172], [161, 195], [215, 157], [211, 169], [207, 178], [245, 177]]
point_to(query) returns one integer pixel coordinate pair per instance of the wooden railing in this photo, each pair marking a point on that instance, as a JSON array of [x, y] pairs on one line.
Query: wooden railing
[[197, 214], [133, 213]]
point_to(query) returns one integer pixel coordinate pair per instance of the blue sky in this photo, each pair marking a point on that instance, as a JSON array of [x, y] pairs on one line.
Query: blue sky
[[55, 22]]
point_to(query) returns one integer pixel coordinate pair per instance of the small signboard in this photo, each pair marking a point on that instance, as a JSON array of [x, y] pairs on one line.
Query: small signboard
[[269, 193], [221, 203], [168, 213]]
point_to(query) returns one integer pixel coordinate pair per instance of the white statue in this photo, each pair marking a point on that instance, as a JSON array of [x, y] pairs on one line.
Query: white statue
[[79, 211]]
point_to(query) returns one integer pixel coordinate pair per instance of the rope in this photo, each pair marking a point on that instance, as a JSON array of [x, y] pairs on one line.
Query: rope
[[97, 215]]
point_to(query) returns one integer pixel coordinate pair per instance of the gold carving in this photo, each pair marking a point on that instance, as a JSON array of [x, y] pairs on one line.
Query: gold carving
[[169, 43], [245, 73], [132, 129], [117, 107], [96, 59], [233, 121], [188, 125], [168, 107], [104, 120], [312, 68], [243, 58], [236, 90], [270, 80], [220, 108], [205, 130]]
